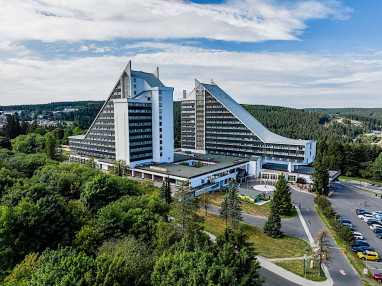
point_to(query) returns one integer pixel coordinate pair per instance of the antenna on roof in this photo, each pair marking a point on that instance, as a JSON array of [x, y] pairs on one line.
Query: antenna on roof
[[184, 93], [156, 72], [212, 82]]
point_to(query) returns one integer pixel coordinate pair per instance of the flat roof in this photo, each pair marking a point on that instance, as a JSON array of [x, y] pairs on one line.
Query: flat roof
[[189, 172]]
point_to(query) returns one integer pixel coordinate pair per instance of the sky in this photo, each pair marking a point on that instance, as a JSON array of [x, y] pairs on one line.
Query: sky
[[295, 53]]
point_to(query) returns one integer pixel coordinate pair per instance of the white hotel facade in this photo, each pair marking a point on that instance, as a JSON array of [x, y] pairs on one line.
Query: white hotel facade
[[135, 125]]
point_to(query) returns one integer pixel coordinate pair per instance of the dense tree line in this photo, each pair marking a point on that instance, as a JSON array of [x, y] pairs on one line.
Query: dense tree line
[[354, 160], [65, 224]]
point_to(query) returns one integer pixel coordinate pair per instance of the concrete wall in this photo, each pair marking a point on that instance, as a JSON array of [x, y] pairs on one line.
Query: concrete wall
[[121, 127]]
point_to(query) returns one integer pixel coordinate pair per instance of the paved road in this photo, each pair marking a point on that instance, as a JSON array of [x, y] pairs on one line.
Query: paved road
[[363, 185], [345, 201], [273, 279], [315, 224]]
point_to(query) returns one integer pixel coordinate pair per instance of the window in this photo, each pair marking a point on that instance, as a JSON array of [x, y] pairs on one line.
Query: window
[[160, 129], [149, 98], [160, 98], [160, 110], [135, 92], [134, 79], [160, 92], [160, 104], [160, 142], [160, 123], [160, 117], [135, 86], [161, 148], [161, 153], [160, 135]]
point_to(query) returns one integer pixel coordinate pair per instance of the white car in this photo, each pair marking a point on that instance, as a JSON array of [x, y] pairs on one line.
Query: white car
[[377, 213], [374, 226], [362, 216], [378, 217], [367, 217], [357, 235]]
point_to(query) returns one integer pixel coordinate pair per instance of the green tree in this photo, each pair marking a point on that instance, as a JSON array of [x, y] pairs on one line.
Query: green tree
[[50, 145], [185, 211], [88, 240], [282, 196], [320, 176], [120, 169], [165, 191], [205, 200], [104, 189], [22, 273], [233, 249], [273, 225], [234, 203], [224, 211]]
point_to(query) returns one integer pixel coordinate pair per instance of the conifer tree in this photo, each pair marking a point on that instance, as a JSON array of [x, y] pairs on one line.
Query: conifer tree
[[320, 176], [50, 145], [165, 191], [224, 210], [282, 196], [273, 225]]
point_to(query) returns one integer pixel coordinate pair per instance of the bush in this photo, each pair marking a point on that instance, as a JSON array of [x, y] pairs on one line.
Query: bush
[[322, 202]]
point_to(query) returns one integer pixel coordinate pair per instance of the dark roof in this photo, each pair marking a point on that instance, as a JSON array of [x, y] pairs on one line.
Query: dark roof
[[150, 78]]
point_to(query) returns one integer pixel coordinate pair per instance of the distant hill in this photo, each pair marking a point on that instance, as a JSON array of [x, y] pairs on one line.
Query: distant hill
[[373, 112]]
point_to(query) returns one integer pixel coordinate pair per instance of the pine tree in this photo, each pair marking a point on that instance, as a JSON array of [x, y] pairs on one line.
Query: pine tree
[[234, 203], [165, 191], [282, 196], [224, 209], [273, 225], [185, 211], [320, 176]]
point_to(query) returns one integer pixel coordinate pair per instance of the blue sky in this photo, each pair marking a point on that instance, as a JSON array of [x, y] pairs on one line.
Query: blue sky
[[313, 53]]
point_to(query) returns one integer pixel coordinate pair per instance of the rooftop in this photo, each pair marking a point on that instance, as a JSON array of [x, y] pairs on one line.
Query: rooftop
[[173, 169]]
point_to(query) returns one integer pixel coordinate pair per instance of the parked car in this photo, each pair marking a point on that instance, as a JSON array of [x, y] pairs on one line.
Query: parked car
[[368, 255], [376, 213], [371, 184], [357, 235], [378, 216], [375, 225], [377, 185], [379, 235], [365, 217], [359, 243], [362, 213], [372, 221], [376, 230], [358, 211], [378, 277], [362, 248]]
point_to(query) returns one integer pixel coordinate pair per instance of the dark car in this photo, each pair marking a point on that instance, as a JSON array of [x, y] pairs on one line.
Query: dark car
[[373, 221], [358, 211], [359, 243], [378, 277], [364, 212], [362, 248], [377, 185], [378, 229], [379, 235], [346, 221], [371, 184]]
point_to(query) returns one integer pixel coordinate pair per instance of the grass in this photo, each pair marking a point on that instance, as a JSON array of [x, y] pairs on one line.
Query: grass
[[297, 267], [287, 246], [357, 263], [249, 208]]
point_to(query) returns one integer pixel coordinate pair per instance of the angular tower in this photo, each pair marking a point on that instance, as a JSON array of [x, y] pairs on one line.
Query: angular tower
[[134, 125], [214, 123]]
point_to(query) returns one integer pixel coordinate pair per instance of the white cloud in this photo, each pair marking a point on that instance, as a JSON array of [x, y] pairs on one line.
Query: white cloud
[[287, 79], [234, 20]]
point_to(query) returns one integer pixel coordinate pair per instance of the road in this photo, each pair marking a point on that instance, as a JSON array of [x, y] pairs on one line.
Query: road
[[273, 279], [315, 224], [345, 201], [293, 227]]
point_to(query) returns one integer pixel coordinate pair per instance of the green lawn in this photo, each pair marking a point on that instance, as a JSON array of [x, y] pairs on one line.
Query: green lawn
[[287, 246], [297, 267], [248, 207]]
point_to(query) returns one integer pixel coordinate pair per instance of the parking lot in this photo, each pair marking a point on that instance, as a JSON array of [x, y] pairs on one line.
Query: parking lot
[[345, 202]]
